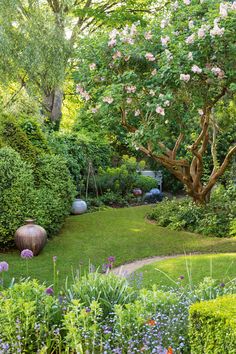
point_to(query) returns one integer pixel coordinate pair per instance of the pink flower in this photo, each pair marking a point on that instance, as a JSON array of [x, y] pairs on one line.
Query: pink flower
[[116, 55], [195, 69], [175, 5], [148, 35], [217, 31], [218, 72], [92, 66], [223, 10], [160, 110], [165, 40], [187, 2], [185, 77], [137, 113], [154, 71], [112, 43], [150, 57], [167, 103], [129, 100], [190, 39], [113, 34], [108, 99], [201, 33], [128, 40], [86, 96], [190, 56], [130, 89], [79, 89]]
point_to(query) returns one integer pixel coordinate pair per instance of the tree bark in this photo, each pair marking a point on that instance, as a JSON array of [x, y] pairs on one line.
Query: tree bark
[[52, 104]]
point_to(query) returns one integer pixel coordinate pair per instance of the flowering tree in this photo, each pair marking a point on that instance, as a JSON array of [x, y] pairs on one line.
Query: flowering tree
[[165, 83]]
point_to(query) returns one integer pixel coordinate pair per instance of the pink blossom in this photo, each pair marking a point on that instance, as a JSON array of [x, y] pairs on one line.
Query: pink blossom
[[128, 40], [154, 71], [217, 31], [190, 39], [185, 77], [218, 72], [86, 96], [129, 100], [112, 43], [165, 40], [201, 33], [190, 56], [113, 34], [130, 89], [200, 112], [92, 66], [137, 113], [148, 35], [108, 99], [133, 30], [175, 5], [150, 57], [160, 110], [195, 69], [116, 55], [79, 89], [223, 10], [187, 2]]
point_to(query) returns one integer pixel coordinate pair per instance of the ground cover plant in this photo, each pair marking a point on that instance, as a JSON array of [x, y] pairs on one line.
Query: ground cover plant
[[189, 269], [124, 233]]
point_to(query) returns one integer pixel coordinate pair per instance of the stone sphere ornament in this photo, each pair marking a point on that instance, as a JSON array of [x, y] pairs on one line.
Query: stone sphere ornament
[[79, 206], [31, 236]]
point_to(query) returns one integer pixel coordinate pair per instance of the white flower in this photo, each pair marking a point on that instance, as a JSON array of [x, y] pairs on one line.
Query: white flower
[[161, 95], [154, 71], [185, 77], [175, 5], [217, 31], [187, 2], [86, 96], [79, 89], [128, 40], [129, 100], [152, 93], [150, 57], [190, 39], [160, 110], [190, 56], [112, 43], [113, 34], [201, 33], [148, 35], [191, 24], [137, 113], [195, 69], [108, 99], [133, 30], [92, 66], [164, 23], [130, 89], [223, 10], [200, 112], [94, 110], [167, 103], [166, 121], [168, 55], [165, 40]]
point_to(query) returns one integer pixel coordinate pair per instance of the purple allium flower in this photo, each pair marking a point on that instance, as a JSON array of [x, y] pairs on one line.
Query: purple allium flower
[[222, 285], [54, 258], [26, 254], [111, 259], [88, 309], [108, 265], [49, 291], [4, 266], [181, 277]]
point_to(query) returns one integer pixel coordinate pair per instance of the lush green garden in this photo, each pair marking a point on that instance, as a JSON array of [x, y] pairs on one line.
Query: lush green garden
[[122, 113]]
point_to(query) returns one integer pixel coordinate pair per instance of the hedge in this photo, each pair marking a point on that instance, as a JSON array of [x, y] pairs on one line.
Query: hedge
[[213, 326]]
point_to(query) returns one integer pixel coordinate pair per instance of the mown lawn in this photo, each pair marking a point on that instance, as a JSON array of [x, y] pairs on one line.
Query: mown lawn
[[189, 270], [123, 233]]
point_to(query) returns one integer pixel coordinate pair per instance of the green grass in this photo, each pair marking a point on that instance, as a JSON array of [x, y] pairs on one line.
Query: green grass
[[195, 268], [123, 233]]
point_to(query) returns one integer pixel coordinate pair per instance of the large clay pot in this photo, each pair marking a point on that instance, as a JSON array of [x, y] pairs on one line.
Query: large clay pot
[[30, 236], [79, 206], [137, 192]]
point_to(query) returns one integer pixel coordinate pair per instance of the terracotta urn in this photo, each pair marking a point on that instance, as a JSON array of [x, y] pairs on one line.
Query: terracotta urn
[[137, 192], [79, 206], [30, 236]]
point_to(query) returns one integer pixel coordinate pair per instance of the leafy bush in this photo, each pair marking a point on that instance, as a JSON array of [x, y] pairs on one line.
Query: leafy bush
[[16, 193], [45, 194], [213, 219], [213, 326], [145, 183]]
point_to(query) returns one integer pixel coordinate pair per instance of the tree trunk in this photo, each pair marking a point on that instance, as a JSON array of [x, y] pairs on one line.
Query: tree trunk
[[52, 104]]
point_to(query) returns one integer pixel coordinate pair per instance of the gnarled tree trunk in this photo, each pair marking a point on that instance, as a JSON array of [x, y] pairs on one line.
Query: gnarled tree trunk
[[52, 104]]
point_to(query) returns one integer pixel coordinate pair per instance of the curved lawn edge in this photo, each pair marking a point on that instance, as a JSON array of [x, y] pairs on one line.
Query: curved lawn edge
[[129, 268]]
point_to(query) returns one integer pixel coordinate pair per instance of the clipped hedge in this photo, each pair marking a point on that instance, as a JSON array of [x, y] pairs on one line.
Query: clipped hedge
[[213, 326]]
